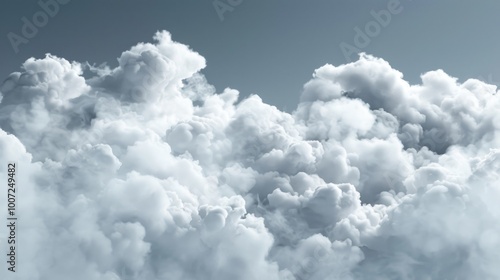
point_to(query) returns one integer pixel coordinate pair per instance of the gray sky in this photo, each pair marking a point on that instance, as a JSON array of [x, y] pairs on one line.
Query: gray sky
[[266, 47]]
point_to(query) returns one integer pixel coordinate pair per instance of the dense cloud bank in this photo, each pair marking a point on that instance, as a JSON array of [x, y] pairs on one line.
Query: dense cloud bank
[[144, 171]]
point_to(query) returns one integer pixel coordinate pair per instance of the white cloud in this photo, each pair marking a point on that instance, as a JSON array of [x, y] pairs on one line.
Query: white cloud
[[144, 171]]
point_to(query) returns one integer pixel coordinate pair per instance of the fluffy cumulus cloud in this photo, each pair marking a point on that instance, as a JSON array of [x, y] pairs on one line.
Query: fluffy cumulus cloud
[[145, 171]]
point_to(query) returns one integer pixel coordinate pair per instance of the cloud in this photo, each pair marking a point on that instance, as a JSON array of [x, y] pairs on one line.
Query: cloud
[[145, 171]]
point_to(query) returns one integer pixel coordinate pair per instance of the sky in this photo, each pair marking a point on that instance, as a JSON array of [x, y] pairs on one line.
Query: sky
[[249, 140], [268, 47]]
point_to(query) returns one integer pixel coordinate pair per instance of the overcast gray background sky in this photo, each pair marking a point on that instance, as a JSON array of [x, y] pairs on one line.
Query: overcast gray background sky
[[267, 47]]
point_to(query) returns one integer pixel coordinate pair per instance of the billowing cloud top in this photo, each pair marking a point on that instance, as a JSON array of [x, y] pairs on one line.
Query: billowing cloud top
[[144, 171]]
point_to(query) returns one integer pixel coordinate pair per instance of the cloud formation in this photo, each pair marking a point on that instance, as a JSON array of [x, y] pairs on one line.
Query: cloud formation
[[144, 171]]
